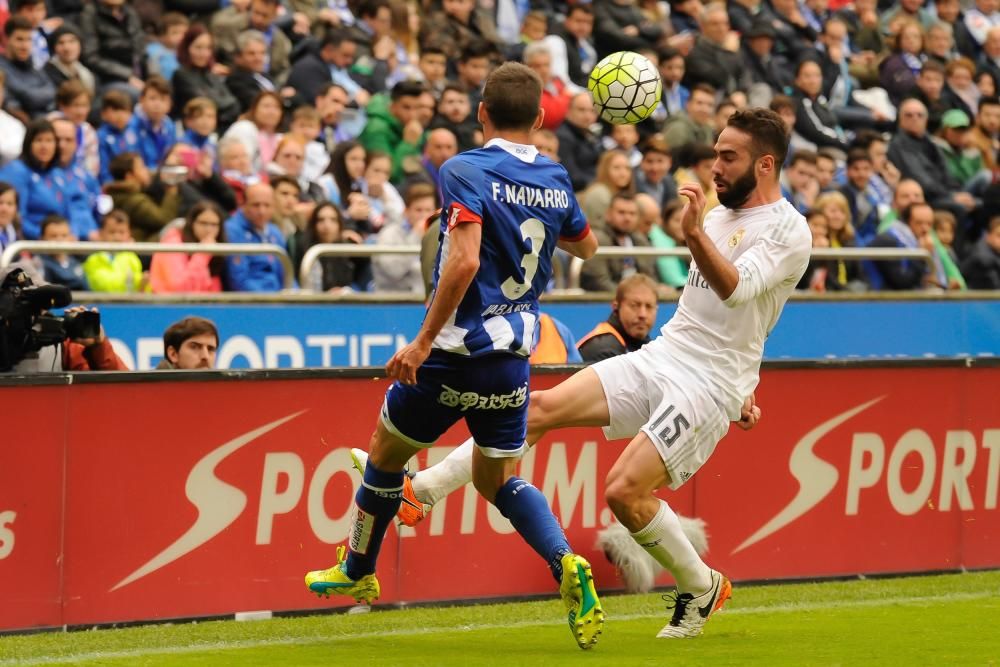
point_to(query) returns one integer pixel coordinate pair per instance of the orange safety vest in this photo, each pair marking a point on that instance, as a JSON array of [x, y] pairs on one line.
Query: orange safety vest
[[550, 349], [600, 330]]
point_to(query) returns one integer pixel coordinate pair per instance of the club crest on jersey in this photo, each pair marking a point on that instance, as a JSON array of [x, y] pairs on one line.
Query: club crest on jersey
[[735, 239]]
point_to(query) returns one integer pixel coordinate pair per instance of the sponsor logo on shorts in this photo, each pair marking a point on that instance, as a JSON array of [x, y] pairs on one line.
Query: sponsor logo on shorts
[[361, 533], [466, 400]]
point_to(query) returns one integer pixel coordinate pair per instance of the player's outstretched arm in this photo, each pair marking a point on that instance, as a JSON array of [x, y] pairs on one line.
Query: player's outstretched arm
[[721, 274], [584, 248], [456, 275]]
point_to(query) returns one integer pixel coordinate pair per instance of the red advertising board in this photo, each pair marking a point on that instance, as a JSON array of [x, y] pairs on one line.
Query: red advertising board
[[167, 499]]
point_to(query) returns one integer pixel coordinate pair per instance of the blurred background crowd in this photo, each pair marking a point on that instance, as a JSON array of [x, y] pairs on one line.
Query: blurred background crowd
[[298, 122]]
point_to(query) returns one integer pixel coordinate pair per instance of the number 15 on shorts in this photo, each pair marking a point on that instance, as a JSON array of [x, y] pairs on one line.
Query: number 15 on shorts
[[672, 429]]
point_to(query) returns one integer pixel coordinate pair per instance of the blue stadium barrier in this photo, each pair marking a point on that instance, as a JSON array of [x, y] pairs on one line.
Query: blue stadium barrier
[[295, 335]]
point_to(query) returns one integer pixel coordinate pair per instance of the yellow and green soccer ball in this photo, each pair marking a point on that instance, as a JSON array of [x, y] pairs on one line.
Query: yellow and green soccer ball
[[626, 87]]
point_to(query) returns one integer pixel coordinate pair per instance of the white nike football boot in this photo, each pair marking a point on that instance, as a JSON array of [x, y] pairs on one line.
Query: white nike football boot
[[691, 613]]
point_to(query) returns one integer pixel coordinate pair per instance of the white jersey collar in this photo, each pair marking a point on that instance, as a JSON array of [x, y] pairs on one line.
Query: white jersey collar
[[523, 152]]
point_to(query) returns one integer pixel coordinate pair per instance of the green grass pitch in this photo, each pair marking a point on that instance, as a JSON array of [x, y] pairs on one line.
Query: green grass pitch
[[933, 620]]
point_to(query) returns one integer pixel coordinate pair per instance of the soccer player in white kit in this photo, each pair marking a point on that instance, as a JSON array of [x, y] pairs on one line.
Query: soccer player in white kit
[[677, 395]]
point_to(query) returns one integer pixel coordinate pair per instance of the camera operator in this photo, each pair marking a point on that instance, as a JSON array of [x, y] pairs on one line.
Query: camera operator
[[89, 354], [33, 340]]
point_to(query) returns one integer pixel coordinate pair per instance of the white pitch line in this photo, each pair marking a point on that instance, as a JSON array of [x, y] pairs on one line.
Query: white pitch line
[[413, 632]]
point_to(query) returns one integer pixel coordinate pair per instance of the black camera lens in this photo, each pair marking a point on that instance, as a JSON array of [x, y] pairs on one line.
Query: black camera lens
[[83, 324]]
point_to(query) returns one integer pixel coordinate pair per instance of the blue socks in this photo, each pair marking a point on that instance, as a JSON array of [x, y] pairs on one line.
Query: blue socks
[[529, 512], [377, 501]]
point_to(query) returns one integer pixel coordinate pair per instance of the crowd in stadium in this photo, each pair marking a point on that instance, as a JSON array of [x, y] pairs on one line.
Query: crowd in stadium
[[297, 122]]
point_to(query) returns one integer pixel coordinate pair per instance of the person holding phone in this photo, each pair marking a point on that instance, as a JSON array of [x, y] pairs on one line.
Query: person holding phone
[[193, 173]]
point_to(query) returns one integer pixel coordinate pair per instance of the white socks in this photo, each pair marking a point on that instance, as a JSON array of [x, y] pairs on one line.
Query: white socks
[[451, 474], [664, 540]]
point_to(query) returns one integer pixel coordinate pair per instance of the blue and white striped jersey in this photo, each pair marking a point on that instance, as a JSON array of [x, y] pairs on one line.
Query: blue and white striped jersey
[[525, 203]]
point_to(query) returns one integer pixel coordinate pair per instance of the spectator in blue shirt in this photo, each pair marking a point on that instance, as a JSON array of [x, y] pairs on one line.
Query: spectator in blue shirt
[[252, 224], [37, 178], [82, 189], [161, 52], [115, 135], [154, 129], [200, 119]]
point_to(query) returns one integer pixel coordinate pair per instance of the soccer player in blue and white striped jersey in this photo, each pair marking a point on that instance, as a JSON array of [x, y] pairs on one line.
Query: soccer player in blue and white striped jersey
[[506, 208]]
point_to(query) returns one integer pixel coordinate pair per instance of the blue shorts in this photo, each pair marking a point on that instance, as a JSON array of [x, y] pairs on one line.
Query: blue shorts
[[490, 392]]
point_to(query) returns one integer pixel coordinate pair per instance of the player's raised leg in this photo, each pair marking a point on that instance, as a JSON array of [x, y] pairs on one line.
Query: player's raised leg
[[638, 472], [375, 504]]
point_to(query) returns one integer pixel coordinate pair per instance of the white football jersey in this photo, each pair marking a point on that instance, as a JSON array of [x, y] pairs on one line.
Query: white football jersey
[[722, 342]]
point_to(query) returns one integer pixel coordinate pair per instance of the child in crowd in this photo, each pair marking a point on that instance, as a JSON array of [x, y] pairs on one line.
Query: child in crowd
[[115, 135], [35, 12], [73, 103], [154, 129], [161, 52], [675, 96], [120, 271], [397, 273], [385, 206], [534, 27], [200, 118], [814, 279], [433, 65], [626, 139], [826, 168], [944, 229], [307, 126], [473, 66], [653, 175], [197, 272], [61, 269]]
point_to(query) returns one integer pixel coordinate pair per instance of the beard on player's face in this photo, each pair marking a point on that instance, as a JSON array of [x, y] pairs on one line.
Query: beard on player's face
[[736, 192]]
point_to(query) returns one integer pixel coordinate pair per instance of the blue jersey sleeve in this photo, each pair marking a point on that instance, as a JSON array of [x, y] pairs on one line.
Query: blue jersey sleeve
[[460, 194]]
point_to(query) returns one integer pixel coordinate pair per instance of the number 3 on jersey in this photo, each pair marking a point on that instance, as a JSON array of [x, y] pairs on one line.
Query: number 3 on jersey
[[532, 230]]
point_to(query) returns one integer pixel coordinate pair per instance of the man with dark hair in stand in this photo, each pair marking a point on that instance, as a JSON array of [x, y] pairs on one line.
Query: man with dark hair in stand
[[190, 344]]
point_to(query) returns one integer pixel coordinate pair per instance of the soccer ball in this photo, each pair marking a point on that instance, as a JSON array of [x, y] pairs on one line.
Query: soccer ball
[[626, 87]]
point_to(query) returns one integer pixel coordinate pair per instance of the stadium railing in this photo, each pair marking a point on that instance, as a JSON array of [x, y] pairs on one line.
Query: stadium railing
[[14, 250], [348, 250], [822, 254], [576, 264]]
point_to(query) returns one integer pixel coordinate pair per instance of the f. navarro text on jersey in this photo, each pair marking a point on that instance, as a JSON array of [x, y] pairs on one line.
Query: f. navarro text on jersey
[[529, 196]]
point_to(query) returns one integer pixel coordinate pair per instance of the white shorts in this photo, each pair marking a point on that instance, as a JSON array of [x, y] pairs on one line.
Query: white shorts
[[648, 391]]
